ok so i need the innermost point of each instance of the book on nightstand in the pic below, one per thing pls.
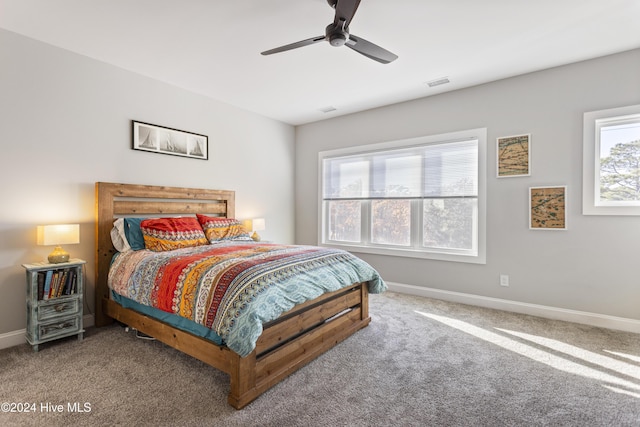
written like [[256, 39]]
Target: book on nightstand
[[47, 284]]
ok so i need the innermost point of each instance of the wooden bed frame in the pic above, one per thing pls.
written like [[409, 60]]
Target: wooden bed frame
[[286, 344]]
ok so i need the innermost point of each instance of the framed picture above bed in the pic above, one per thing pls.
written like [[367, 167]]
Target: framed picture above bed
[[164, 140]]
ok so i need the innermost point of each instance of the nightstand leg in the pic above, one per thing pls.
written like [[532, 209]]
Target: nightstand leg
[[80, 336], [35, 347]]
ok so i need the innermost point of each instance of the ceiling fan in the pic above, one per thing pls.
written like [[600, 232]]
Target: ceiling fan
[[337, 34]]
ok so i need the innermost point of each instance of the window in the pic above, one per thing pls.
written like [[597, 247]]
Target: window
[[423, 197], [611, 162]]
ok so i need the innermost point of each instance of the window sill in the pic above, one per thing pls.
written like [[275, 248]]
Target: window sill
[[409, 253]]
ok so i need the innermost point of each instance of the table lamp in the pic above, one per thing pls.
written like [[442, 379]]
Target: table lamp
[[256, 224], [60, 234]]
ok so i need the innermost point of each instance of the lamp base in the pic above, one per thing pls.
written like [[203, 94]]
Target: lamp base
[[255, 236], [58, 255]]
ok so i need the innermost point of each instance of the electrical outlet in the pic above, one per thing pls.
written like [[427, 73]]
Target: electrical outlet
[[504, 280]]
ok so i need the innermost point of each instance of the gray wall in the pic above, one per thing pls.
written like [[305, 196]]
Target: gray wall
[[66, 123], [591, 267]]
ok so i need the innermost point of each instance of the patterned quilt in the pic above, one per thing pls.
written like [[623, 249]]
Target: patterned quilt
[[235, 287]]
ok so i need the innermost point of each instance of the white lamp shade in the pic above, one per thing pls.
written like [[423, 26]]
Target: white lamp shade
[[60, 234], [258, 224]]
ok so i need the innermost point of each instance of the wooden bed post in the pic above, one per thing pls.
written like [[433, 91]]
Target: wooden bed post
[[243, 381], [364, 292], [104, 249]]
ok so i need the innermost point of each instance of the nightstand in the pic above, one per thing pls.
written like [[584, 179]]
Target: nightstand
[[54, 301]]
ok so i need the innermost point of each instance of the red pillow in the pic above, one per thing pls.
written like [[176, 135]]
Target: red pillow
[[218, 228], [166, 234]]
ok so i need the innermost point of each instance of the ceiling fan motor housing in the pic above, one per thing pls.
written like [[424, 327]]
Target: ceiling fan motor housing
[[337, 36]]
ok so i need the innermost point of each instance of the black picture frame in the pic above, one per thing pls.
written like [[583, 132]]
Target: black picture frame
[[164, 140]]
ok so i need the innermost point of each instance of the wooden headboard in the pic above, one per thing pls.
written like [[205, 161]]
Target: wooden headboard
[[121, 200]]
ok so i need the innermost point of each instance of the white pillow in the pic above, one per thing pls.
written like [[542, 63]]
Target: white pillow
[[118, 238]]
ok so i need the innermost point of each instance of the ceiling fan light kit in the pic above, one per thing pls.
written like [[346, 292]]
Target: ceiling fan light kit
[[337, 34]]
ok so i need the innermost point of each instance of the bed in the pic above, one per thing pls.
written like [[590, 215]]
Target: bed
[[285, 344]]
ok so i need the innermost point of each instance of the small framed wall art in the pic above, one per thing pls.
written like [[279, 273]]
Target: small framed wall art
[[548, 208], [163, 140], [514, 156]]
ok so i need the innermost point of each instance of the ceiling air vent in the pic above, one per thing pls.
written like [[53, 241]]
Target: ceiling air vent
[[438, 82], [328, 109]]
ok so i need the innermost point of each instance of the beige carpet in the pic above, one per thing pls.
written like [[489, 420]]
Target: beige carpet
[[421, 362]]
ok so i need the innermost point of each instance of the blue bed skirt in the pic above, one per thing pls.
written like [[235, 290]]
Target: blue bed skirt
[[172, 319]]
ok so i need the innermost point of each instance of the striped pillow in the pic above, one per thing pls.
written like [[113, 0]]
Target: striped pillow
[[166, 234], [218, 228]]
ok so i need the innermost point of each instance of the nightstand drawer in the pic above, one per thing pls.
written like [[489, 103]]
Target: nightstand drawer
[[63, 307], [60, 327]]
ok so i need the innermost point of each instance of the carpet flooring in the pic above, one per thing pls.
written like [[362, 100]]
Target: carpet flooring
[[421, 362]]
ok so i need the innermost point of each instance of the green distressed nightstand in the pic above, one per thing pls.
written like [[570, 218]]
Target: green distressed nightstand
[[54, 301]]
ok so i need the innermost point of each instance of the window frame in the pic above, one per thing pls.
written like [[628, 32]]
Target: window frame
[[592, 122], [416, 250]]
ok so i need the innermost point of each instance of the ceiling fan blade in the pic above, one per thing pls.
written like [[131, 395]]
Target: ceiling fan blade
[[370, 50], [295, 45], [345, 9]]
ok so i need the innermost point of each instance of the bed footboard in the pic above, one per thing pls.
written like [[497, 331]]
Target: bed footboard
[[296, 338]]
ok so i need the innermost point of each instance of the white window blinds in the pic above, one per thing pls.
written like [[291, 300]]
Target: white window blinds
[[438, 170]]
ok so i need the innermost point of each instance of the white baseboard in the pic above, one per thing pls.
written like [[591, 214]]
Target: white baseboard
[[11, 339], [592, 319]]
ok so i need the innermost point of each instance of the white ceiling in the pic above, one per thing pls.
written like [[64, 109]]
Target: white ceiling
[[212, 47]]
